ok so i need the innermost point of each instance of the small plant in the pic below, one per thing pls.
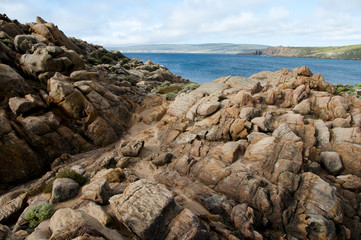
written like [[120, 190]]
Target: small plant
[[70, 173], [168, 89], [93, 61], [38, 213], [170, 96], [132, 80], [6, 41], [166, 83], [190, 86], [49, 187], [106, 59], [125, 60]]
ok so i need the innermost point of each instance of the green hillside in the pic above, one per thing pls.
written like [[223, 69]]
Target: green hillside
[[351, 52]]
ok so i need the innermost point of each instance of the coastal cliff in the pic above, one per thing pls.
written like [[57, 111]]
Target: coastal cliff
[[352, 52], [94, 145]]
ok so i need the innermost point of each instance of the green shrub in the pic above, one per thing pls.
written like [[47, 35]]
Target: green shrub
[[166, 83], [6, 41], [106, 59], [38, 213], [170, 96], [125, 60], [190, 86], [66, 173], [168, 89], [132, 80], [93, 61], [49, 187], [69, 173]]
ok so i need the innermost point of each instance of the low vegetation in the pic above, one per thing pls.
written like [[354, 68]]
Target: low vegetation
[[189, 87], [348, 88], [38, 213], [351, 52], [66, 173], [173, 88], [170, 96]]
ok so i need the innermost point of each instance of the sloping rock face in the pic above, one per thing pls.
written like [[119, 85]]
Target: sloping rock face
[[61, 95]]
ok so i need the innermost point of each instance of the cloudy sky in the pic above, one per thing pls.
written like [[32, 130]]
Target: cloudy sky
[[132, 22]]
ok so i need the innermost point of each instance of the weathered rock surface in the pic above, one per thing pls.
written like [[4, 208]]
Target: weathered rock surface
[[64, 189], [12, 207], [97, 191], [67, 223], [145, 208], [63, 95], [273, 156], [332, 162], [186, 225]]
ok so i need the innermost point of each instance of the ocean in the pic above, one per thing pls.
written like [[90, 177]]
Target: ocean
[[203, 68]]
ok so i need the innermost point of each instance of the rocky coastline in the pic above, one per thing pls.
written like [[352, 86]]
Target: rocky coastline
[[94, 145]]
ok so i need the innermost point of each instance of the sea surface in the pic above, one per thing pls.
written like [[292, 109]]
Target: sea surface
[[203, 68]]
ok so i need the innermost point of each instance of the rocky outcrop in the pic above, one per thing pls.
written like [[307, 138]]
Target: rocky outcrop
[[286, 122], [273, 156], [62, 95]]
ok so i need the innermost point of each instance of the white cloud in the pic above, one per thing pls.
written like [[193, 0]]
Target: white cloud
[[118, 22], [278, 13], [337, 4]]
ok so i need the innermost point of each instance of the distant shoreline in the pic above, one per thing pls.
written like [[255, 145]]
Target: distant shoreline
[[241, 54], [351, 52]]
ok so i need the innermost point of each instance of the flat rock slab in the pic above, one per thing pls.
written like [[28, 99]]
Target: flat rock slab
[[145, 208]]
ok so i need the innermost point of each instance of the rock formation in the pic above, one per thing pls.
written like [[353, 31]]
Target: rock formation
[[59, 97], [273, 156]]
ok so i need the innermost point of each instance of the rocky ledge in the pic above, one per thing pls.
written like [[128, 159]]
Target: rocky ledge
[[273, 156]]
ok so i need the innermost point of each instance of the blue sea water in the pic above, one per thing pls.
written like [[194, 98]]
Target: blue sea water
[[202, 68]]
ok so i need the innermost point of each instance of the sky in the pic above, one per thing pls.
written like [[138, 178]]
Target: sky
[[134, 22]]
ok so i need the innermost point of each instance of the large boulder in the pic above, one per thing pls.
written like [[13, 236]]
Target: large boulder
[[52, 34], [22, 105], [332, 162], [132, 148], [186, 225], [50, 59], [64, 189], [67, 223], [145, 208], [18, 162], [9, 27], [97, 191], [100, 132], [23, 43], [11, 83]]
